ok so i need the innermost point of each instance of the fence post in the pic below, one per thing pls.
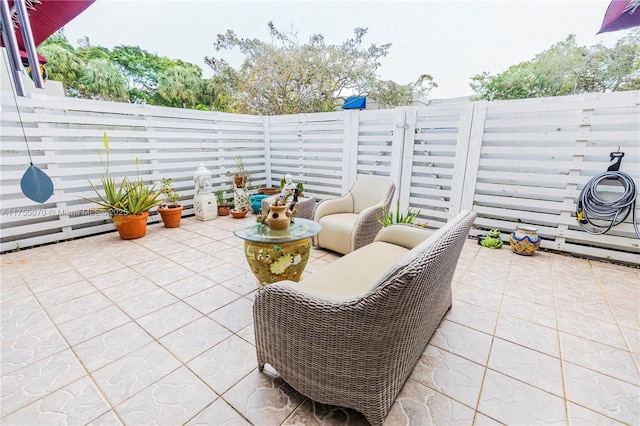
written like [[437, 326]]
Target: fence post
[[405, 159], [350, 149], [476, 113], [266, 137]]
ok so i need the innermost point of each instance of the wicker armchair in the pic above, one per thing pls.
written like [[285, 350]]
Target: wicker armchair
[[352, 221], [357, 352]]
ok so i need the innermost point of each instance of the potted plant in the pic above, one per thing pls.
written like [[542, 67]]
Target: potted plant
[[171, 209], [241, 176], [242, 205], [128, 204], [223, 204]]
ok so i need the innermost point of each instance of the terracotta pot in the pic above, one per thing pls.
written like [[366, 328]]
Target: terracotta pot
[[279, 217], [238, 214], [171, 216], [224, 210], [131, 226], [239, 181], [269, 191]]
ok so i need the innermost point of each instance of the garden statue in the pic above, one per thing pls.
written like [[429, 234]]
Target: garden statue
[[288, 184], [492, 240], [202, 178]]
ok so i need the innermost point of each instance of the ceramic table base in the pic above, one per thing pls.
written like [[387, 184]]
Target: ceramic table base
[[276, 262]]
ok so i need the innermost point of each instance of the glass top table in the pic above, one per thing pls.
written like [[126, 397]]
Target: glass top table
[[259, 233], [277, 255]]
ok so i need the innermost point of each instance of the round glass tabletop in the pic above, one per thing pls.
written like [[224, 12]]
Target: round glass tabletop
[[259, 233]]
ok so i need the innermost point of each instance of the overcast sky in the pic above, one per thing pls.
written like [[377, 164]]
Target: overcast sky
[[451, 40]]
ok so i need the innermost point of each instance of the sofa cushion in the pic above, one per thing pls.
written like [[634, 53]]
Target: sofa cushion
[[413, 253], [336, 229], [351, 275]]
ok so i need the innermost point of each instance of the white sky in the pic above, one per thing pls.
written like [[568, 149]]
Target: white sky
[[451, 40]]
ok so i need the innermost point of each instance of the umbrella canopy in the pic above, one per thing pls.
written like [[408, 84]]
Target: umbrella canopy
[[621, 14], [47, 17]]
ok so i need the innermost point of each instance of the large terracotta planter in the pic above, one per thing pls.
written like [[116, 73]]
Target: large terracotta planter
[[131, 226], [171, 216]]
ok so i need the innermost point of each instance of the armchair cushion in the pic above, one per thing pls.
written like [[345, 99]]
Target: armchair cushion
[[352, 221]]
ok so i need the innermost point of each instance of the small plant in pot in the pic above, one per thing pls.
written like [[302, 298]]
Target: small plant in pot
[[242, 206], [127, 204], [223, 204], [241, 176], [171, 209]]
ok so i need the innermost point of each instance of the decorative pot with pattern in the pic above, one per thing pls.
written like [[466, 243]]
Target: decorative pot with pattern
[[524, 240]]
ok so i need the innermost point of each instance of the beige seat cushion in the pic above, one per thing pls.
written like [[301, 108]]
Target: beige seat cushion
[[351, 275], [336, 231]]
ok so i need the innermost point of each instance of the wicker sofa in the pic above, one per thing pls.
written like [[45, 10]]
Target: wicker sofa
[[350, 334]]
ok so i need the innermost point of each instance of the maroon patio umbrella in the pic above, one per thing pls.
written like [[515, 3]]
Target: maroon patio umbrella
[[621, 14], [47, 17]]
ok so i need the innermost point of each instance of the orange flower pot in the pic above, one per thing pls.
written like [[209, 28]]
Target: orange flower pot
[[131, 226], [171, 216]]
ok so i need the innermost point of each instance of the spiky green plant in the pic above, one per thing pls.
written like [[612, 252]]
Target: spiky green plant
[[408, 217], [128, 197]]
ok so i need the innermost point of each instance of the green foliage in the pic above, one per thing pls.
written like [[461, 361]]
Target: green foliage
[[130, 197], [101, 79], [220, 196], [408, 217], [171, 198], [286, 76], [180, 85], [566, 69]]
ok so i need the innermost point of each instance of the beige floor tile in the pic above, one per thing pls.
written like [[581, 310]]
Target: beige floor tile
[[225, 364], [111, 346], [195, 338], [602, 394], [134, 372], [172, 400], [516, 403], [37, 380], [165, 320], [193, 299], [462, 341], [417, 404], [263, 399], [449, 374], [78, 403], [218, 413], [528, 334], [529, 366]]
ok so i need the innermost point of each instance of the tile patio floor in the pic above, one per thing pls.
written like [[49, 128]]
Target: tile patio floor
[[159, 331]]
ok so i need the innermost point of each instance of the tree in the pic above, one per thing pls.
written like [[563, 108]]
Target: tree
[[566, 69], [286, 76], [102, 79], [388, 93], [180, 84], [142, 70], [62, 65]]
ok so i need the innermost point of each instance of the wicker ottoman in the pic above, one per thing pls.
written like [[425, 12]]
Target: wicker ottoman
[[305, 206]]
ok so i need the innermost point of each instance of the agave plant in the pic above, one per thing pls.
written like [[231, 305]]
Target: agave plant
[[128, 197], [408, 217]]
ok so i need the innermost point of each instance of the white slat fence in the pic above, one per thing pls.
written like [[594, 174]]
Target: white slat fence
[[512, 162]]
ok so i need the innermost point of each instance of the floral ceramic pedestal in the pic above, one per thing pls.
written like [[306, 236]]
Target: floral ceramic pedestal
[[277, 262], [276, 255]]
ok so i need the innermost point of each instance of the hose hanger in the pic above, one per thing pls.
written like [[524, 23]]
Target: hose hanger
[[604, 212]]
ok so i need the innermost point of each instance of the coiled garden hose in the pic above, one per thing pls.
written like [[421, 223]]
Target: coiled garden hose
[[592, 207]]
